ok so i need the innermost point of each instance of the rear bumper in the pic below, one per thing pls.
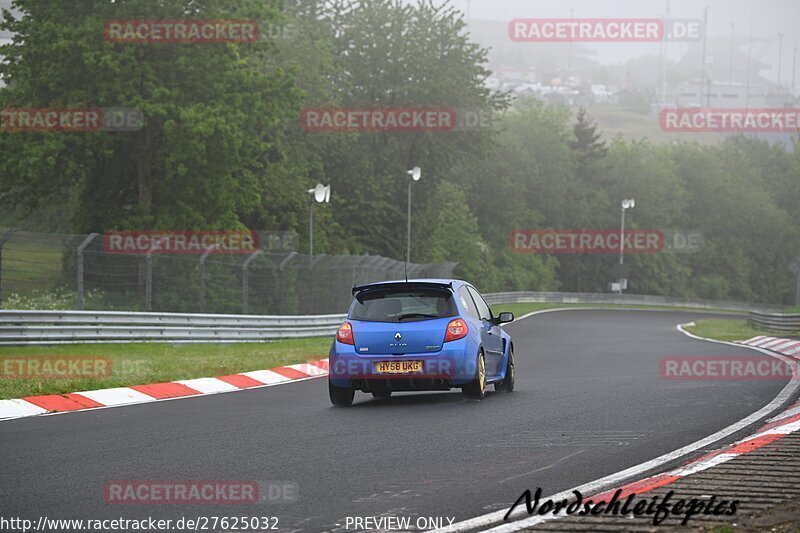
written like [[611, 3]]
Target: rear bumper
[[450, 367], [402, 384]]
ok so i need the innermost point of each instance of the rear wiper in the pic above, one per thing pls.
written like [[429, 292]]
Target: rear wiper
[[416, 315]]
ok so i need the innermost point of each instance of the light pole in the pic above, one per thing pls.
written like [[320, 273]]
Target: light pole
[[780, 59], [569, 52], [320, 193], [626, 204], [663, 62], [413, 175], [749, 64], [703, 60], [794, 69], [730, 60]]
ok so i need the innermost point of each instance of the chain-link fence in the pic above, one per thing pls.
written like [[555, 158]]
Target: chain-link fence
[[48, 271]]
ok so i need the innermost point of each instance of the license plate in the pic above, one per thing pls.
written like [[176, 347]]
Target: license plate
[[398, 367]]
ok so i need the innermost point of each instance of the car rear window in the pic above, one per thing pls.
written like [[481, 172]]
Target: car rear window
[[402, 305]]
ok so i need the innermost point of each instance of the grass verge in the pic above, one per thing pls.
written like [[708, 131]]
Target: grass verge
[[726, 329]]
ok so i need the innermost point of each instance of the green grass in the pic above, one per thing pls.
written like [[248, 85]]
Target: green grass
[[726, 329], [31, 265], [141, 363], [614, 120]]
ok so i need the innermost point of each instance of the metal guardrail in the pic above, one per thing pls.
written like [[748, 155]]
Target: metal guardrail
[[620, 299], [61, 327], [778, 322]]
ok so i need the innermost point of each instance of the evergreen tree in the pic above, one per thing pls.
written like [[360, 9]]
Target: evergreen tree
[[587, 143]]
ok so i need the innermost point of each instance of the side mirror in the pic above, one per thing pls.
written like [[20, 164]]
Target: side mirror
[[504, 317]]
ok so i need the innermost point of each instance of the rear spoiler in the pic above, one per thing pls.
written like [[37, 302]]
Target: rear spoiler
[[402, 284]]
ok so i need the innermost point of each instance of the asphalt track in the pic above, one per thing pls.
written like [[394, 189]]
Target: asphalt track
[[589, 401]]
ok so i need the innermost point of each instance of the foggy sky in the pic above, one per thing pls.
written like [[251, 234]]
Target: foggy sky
[[757, 24], [763, 19]]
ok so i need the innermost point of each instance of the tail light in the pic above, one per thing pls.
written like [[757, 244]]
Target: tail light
[[456, 329], [345, 334]]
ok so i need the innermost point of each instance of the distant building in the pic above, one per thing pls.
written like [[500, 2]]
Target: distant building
[[727, 95], [515, 75], [601, 94], [5, 37]]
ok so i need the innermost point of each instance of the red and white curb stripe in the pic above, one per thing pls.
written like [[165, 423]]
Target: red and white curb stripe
[[76, 401], [790, 347], [776, 428]]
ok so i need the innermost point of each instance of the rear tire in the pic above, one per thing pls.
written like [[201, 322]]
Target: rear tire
[[476, 389], [507, 385], [341, 396]]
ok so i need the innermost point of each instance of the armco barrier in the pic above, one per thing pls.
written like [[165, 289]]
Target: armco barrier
[[59, 327], [619, 299], [778, 322]]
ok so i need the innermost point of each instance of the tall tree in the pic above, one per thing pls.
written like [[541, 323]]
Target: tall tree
[[391, 55], [210, 111], [587, 144]]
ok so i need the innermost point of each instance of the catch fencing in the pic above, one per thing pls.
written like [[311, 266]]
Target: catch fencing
[[46, 271]]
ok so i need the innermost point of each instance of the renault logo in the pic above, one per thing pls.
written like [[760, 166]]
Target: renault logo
[[397, 336]]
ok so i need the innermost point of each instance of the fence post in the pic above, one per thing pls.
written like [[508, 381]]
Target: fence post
[[245, 272], [7, 235], [148, 274], [357, 267], [794, 266], [282, 278], [148, 281], [81, 247], [203, 278], [311, 264], [385, 266], [797, 290]]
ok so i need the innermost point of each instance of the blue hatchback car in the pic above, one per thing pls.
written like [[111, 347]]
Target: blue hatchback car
[[425, 334]]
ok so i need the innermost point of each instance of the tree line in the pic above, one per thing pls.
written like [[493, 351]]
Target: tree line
[[222, 147]]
